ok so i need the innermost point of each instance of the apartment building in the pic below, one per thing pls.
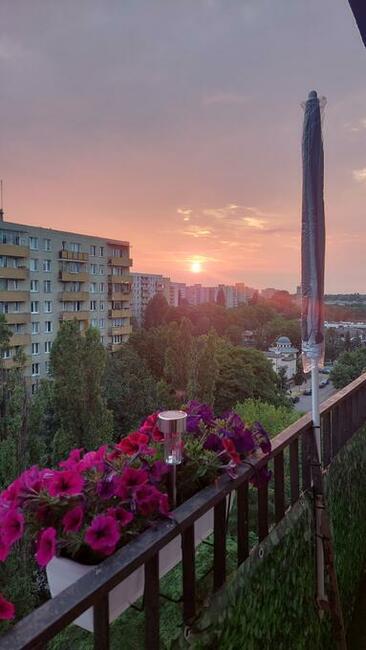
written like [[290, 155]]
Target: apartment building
[[50, 276], [144, 287]]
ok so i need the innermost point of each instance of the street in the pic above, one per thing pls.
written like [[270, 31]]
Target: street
[[304, 403]]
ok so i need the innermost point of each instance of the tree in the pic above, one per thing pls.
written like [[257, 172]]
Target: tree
[[77, 369], [178, 356], [349, 366], [151, 347], [203, 368], [273, 418], [282, 378], [235, 334], [220, 298], [156, 311], [299, 376], [130, 390]]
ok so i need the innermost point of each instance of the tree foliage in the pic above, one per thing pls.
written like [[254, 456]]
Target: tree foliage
[[156, 311], [349, 366]]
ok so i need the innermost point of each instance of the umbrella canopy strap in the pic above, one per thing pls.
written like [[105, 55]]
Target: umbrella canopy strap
[[323, 532]]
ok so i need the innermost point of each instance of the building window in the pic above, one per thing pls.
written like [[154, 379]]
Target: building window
[[101, 269], [7, 354], [101, 324], [34, 307], [75, 247], [93, 305], [34, 389], [47, 286], [47, 266], [35, 348], [33, 243], [33, 264], [101, 306], [47, 347], [101, 251], [35, 327], [35, 369], [46, 244], [93, 250], [48, 326], [93, 287], [47, 306], [93, 269], [101, 287], [47, 367], [94, 322], [34, 286]]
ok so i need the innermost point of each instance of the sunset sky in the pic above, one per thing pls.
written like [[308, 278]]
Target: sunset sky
[[176, 124]]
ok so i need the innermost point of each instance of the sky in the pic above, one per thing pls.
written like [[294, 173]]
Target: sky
[[176, 125]]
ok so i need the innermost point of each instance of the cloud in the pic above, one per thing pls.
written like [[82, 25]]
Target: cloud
[[253, 222], [360, 175]]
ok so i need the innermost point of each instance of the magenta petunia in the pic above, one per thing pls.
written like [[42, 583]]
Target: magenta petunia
[[132, 478], [103, 534], [66, 483], [147, 499], [107, 487], [93, 460], [158, 470], [121, 515], [73, 520], [72, 460], [7, 609], [12, 526], [46, 546]]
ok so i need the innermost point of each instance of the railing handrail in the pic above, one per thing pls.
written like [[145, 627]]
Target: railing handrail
[[43, 623]]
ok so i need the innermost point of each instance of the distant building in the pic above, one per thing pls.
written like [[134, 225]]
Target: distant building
[[144, 287], [49, 276], [268, 293], [283, 355]]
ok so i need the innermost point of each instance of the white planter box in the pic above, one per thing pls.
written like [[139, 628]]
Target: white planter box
[[62, 572]]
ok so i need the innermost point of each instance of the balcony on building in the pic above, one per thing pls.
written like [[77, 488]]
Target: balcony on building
[[123, 261], [73, 276], [12, 318], [73, 256], [71, 296], [71, 315], [120, 313], [20, 340], [120, 329], [13, 250], [13, 273], [14, 296]]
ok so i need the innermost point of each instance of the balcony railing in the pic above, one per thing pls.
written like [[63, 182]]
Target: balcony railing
[[341, 416], [15, 273], [14, 250], [72, 255]]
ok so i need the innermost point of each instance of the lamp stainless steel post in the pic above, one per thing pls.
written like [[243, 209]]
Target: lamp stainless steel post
[[312, 272], [173, 424]]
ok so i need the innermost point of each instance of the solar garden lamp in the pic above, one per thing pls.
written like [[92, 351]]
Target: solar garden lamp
[[173, 424]]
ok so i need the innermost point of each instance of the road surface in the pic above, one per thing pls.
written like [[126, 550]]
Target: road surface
[[304, 403]]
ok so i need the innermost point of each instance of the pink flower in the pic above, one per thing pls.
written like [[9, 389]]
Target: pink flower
[[12, 526], [66, 483], [93, 460], [7, 610], [4, 550], [11, 494], [46, 546], [121, 515], [72, 459], [135, 443], [73, 520], [103, 534], [158, 470], [150, 427], [147, 499], [132, 478]]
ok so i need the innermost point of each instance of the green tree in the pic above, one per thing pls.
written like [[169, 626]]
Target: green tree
[[235, 334], [130, 390], [156, 311], [273, 418], [151, 347], [282, 378], [203, 368], [77, 369], [349, 366], [178, 358]]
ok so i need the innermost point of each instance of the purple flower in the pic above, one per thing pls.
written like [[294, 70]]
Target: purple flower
[[213, 442], [66, 483], [261, 437], [107, 486], [197, 413], [103, 534], [73, 520], [158, 471]]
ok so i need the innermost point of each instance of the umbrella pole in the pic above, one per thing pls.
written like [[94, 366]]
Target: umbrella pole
[[321, 596]]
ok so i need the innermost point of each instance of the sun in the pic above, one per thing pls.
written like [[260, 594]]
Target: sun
[[196, 267]]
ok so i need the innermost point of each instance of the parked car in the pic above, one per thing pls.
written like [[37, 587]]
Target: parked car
[[326, 371], [323, 383], [295, 399], [307, 391]]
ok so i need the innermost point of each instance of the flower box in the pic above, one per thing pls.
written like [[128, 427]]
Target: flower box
[[62, 572]]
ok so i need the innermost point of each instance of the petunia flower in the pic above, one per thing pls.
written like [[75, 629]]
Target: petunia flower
[[12, 526], [93, 460], [230, 449], [150, 427], [197, 413], [72, 460], [103, 534], [132, 478], [135, 443], [46, 546], [262, 438], [213, 442], [158, 470], [122, 516], [7, 609], [73, 519], [147, 499], [107, 486], [66, 483]]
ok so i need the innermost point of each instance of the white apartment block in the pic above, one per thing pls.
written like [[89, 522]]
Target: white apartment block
[[144, 287], [49, 276]]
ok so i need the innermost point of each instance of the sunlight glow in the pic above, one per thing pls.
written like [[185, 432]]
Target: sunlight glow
[[196, 267]]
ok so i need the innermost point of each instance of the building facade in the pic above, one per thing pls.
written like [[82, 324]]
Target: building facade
[[144, 287], [50, 276], [283, 355]]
